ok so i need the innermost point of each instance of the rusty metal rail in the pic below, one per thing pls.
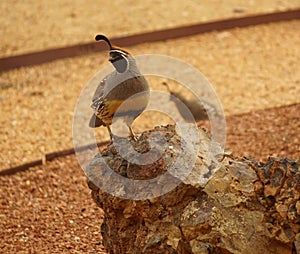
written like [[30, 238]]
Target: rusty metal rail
[[40, 57], [49, 157]]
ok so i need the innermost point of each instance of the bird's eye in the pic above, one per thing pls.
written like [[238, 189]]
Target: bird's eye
[[121, 64]]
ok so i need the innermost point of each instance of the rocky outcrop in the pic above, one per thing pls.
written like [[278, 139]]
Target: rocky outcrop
[[223, 205]]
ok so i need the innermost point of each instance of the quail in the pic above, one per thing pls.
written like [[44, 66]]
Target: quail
[[124, 93]]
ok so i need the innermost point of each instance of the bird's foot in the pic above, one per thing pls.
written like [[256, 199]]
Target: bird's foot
[[132, 135]]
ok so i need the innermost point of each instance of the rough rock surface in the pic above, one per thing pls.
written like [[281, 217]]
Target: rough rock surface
[[224, 205]]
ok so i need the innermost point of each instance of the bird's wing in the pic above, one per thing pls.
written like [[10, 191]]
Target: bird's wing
[[95, 121], [98, 97]]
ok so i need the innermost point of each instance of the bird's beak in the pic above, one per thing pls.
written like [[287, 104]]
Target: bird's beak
[[111, 59]]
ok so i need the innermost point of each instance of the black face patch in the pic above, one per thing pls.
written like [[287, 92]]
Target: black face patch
[[121, 64]]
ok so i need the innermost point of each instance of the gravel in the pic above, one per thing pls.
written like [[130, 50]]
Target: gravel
[[250, 68], [29, 26], [267, 133], [48, 209]]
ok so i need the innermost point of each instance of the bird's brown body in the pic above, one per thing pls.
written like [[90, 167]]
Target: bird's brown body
[[122, 94]]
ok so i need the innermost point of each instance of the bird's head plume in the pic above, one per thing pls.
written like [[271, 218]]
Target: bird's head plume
[[117, 56]]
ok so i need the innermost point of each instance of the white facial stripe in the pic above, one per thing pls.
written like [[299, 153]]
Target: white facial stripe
[[117, 51]]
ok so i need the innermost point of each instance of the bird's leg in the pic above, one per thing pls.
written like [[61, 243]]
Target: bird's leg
[[132, 135], [110, 133]]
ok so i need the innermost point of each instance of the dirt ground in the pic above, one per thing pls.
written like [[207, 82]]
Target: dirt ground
[[48, 209], [35, 25], [254, 71], [250, 69]]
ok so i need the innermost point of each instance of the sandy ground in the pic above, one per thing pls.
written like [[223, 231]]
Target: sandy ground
[[48, 209], [35, 25], [250, 68]]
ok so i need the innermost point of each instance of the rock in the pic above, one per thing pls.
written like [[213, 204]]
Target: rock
[[297, 243], [229, 205], [239, 9]]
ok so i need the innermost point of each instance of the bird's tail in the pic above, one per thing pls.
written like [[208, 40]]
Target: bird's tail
[[95, 122]]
